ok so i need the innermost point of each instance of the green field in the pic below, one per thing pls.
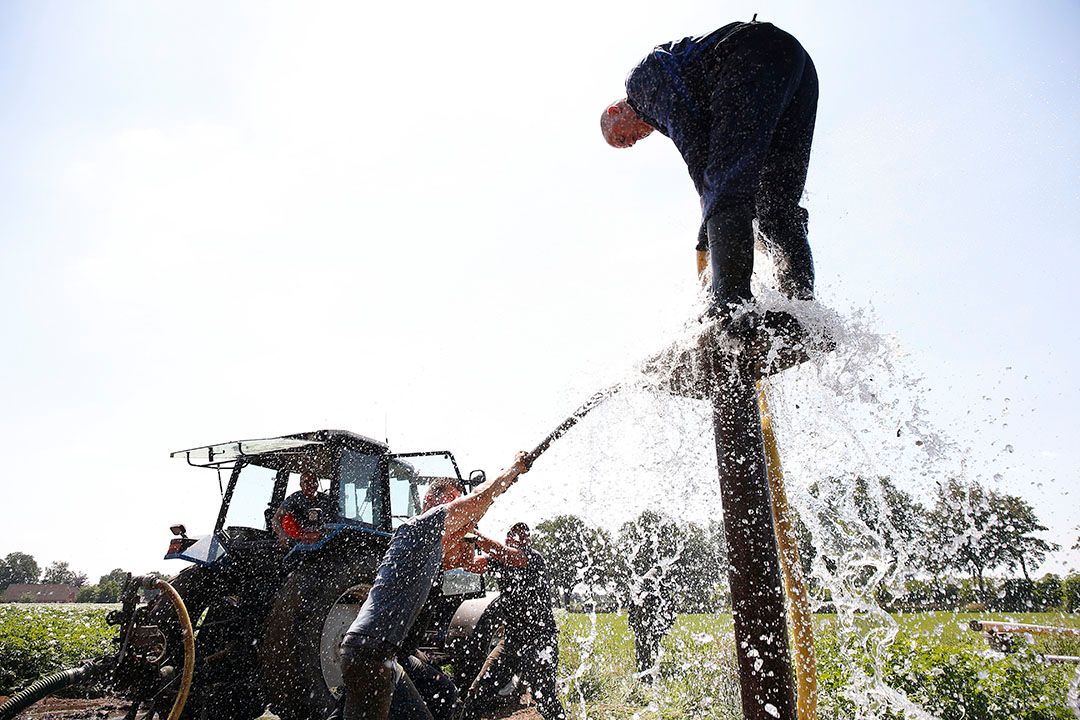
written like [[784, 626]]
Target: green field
[[39, 639], [934, 661]]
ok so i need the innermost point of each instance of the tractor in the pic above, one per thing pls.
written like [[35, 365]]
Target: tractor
[[268, 617]]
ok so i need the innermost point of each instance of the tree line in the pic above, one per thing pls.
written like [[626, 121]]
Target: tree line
[[19, 568], [938, 555]]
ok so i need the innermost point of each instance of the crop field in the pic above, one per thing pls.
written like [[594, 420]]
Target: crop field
[[934, 659], [39, 639]]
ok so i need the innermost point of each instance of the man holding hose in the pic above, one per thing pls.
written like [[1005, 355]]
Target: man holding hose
[[419, 548]]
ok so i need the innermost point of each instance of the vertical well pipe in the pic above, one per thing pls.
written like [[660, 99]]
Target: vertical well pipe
[[757, 594]]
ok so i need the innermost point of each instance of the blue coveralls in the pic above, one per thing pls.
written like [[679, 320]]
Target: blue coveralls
[[740, 105]]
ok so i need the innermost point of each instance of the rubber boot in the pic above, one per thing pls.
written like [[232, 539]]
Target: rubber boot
[[786, 237], [731, 258]]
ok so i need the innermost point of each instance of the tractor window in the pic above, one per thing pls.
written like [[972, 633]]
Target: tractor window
[[294, 484], [359, 475], [407, 489], [329, 507], [409, 477], [251, 496]]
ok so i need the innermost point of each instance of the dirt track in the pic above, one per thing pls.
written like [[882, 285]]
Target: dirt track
[[73, 709], [113, 709]]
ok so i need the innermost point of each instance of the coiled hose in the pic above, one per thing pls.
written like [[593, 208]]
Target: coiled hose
[[189, 642], [58, 681], [45, 686]]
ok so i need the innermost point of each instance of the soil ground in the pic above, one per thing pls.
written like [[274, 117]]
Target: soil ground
[[74, 709], [113, 709]]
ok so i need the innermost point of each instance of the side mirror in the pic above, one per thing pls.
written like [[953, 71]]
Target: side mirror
[[475, 478], [179, 530]]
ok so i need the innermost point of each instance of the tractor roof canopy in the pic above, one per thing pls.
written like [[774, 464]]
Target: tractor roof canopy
[[284, 450]]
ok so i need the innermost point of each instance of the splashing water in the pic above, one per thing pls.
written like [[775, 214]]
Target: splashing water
[[843, 420]]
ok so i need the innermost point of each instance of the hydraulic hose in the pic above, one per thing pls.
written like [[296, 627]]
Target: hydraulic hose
[[41, 688], [802, 628], [189, 642]]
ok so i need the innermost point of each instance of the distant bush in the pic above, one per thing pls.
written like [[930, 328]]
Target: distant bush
[[966, 684], [1070, 593], [36, 640], [1003, 595]]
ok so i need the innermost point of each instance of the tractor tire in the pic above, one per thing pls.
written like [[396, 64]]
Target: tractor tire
[[299, 655]]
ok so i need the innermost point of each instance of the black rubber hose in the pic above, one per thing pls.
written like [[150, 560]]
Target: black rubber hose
[[564, 427], [45, 686]]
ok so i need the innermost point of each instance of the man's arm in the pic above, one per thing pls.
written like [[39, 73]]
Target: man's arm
[[506, 555], [460, 553], [275, 525], [478, 564], [464, 512], [287, 529]]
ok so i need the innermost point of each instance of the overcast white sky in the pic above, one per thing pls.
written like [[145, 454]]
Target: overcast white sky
[[249, 219]]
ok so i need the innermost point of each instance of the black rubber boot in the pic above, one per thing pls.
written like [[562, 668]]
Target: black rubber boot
[[785, 235], [731, 258]]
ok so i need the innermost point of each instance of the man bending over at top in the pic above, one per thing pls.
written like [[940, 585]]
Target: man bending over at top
[[739, 104]]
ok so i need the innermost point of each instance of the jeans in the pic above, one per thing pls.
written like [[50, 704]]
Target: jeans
[[378, 688]]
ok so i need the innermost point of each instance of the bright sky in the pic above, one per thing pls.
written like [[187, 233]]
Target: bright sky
[[223, 221]]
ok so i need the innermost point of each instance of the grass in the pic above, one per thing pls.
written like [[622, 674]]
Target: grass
[[934, 662]]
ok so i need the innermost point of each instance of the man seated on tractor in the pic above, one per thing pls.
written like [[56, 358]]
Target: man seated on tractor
[[301, 517], [371, 672]]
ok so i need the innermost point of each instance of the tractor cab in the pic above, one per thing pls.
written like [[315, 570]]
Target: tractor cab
[[362, 488]]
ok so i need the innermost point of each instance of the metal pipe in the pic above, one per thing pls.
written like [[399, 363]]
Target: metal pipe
[[588, 406], [993, 626], [757, 594]]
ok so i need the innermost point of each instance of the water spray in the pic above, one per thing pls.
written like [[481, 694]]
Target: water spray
[[764, 557]]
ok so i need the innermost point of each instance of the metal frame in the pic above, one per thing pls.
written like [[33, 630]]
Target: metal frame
[[453, 460], [999, 637], [240, 453]]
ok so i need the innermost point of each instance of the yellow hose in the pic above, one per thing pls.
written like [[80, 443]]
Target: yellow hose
[[802, 627], [189, 643]]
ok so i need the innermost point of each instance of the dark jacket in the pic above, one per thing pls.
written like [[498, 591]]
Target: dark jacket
[[526, 595], [696, 90], [669, 90]]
